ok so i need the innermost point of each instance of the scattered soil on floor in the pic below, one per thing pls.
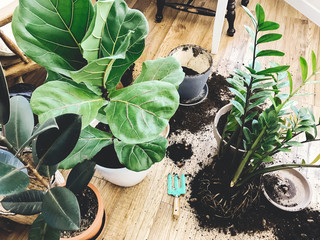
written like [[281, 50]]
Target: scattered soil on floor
[[194, 118], [88, 203], [179, 153]]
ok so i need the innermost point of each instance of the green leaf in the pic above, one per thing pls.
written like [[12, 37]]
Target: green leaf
[[293, 144], [12, 180], [8, 158], [46, 101], [288, 135], [24, 203], [237, 93], [238, 106], [314, 62], [283, 85], [260, 14], [260, 94], [251, 116], [4, 99], [316, 159], [269, 38], [264, 53], [90, 142], [21, 122], [304, 69], [309, 136], [268, 25], [40, 230], [257, 103], [290, 81], [162, 69], [139, 157], [274, 70], [60, 209], [142, 110], [254, 21], [268, 159], [59, 35], [54, 145], [54, 76], [246, 133], [80, 176]]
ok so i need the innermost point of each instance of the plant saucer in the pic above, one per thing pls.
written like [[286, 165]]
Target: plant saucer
[[287, 189], [198, 99]]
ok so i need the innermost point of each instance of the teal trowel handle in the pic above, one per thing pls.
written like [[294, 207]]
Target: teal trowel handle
[[176, 207]]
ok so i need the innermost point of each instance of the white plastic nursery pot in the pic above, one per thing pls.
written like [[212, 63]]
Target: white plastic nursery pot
[[225, 109], [198, 59], [290, 192]]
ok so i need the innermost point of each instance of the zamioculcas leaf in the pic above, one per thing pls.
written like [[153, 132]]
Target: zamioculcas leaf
[[269, 38], [60, 209], [317, 158], [304, 69], [139, 157], [80, 176], [40, 230], [309, 136], [24, 203], [267, 25], [12, 180], [90, 142], [264, 53], [21, 122], [314, 62], [46, 101], [260, 14], [143, 110], [274, 70], [254, 21], [238, 94], [294, 144], [250, 31], [4, 99], [238, 106], [8, 158], [54, 145], [162, 69]]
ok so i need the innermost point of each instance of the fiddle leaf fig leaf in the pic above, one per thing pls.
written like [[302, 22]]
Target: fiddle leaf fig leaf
[[24, 203], [61, 33], [139, 157], [21, 122], [80, 176], [304, 69], [90, 142], [40, 230], [46, 101], [60, 209], [143, 110], [54, 145], [162, 69], [8, 158], [12, 180], [4, 99]]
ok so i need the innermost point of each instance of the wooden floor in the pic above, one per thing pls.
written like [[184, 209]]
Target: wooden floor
[[145, 211]]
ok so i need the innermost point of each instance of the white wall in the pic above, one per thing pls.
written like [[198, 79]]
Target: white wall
[[309, 8]]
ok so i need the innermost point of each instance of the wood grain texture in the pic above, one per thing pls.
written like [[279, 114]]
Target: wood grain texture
[[145, 211]]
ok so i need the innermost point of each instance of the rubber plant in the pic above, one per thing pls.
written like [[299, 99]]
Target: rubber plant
[[86, 49], [263, 120], [51, 142]]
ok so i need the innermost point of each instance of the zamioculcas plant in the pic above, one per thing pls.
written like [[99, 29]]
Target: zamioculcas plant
[[51, 141], [86, 49], [263, 121]]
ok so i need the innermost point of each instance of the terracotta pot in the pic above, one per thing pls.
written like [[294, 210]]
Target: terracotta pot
[[225, 109], [97, 224]]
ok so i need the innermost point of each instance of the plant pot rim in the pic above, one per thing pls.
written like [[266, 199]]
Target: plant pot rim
[[301, 183], [97, 223]]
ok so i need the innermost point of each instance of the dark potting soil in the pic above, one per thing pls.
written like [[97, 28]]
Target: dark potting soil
[[127, 77], [88, 204], [263, 216], [194, 118], [179, 153], [107, 157], [189, 71]]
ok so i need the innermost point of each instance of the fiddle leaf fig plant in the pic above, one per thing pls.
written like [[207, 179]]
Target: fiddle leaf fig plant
[[102, 42]]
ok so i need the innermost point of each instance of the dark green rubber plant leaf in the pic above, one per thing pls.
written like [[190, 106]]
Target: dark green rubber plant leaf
[[46, 101], [139, 157], [25, 203], [90, 142], [40, 230], [8, 158], [54, 145], [60, 209], [162, 69], [140, 112], [4, 99], [12, 180], [120, 22], [56, 27], [21, 122], [80, 176]]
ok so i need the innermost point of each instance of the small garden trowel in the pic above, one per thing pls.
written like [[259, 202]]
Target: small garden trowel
[[176, 191]]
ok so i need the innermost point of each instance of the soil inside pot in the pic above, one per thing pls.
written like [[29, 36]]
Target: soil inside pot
[[107, 157], [189, 71], [127, 77], [88, 203]]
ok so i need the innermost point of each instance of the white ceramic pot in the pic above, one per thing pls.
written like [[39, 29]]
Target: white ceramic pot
[[225, 109]]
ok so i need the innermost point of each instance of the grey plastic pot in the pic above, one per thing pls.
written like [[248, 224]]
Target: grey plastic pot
[[197, 59]]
